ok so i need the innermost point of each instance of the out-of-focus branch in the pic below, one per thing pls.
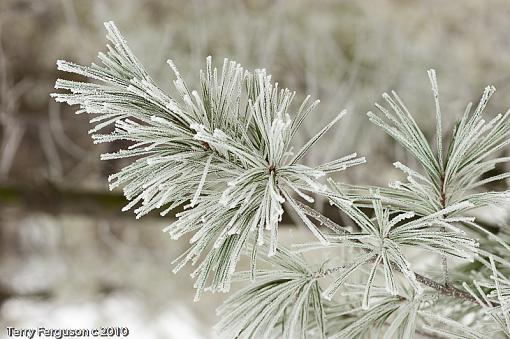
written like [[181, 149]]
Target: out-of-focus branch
[[56, 200], [7, 293], [53, 199]]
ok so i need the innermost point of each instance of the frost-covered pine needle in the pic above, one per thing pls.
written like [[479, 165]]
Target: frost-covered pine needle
[[223, 152]]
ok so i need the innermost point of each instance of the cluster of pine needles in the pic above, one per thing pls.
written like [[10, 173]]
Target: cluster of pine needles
[[225, 158]]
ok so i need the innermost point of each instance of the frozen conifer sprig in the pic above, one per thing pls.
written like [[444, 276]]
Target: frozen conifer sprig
[[224, 156], [284, 301], [422, 214], [385, 237], [225, 152], [448, 175], [492, 293]]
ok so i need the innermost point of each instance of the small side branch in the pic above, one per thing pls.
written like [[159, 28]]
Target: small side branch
[[323, 220], [447, 290]]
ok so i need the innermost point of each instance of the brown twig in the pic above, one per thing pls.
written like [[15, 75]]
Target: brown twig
[[448, 290]]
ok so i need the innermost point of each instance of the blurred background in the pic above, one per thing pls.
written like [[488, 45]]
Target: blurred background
[[70, 258]]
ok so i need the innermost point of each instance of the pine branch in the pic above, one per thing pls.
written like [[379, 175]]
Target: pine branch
[[323, 220], [224, 154], [445, 178], [449, 290]]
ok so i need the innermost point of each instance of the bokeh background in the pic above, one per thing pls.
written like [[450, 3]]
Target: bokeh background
[[70, 258]]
